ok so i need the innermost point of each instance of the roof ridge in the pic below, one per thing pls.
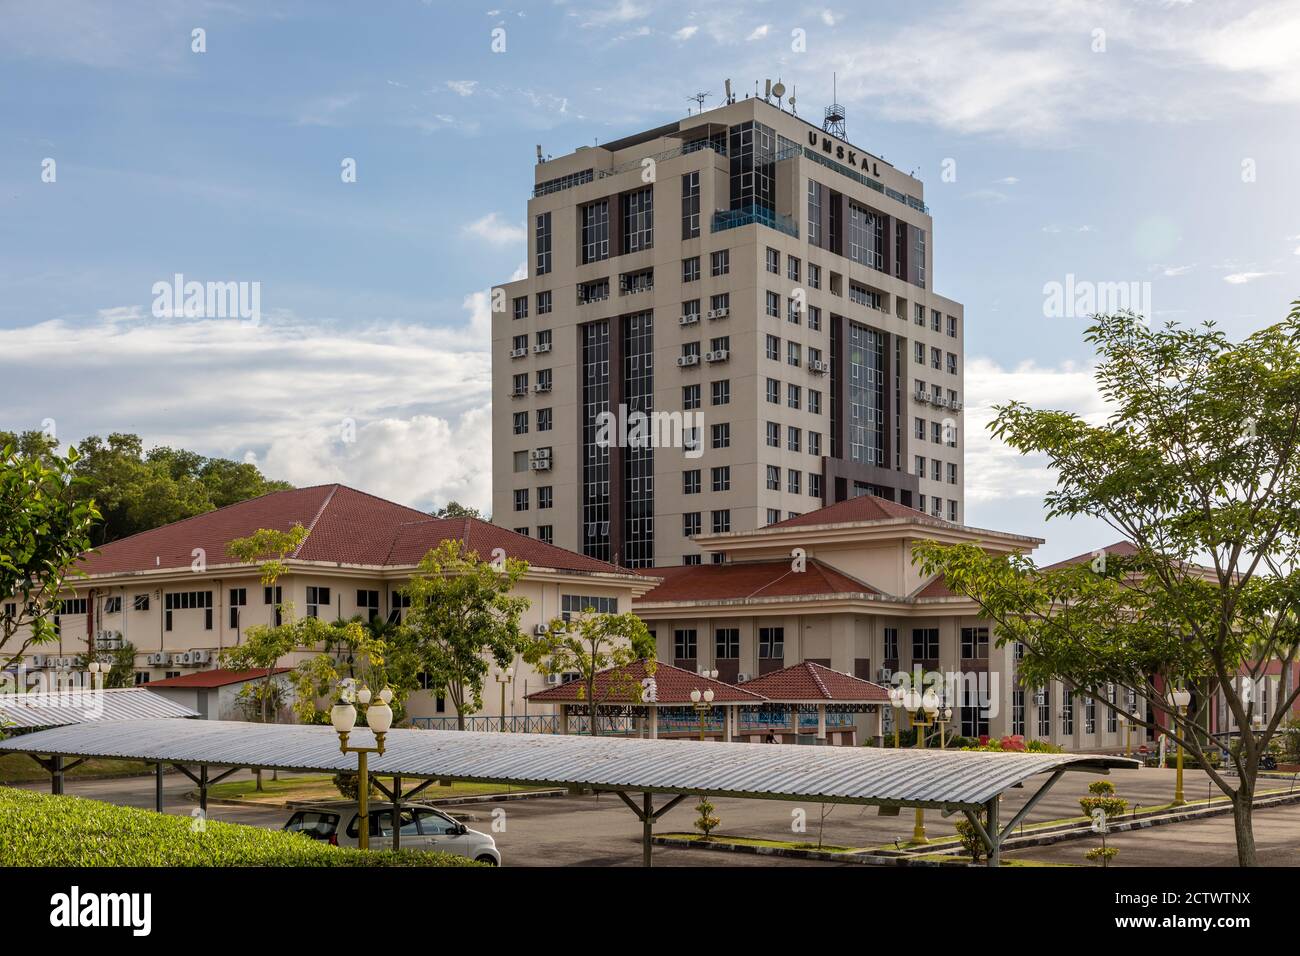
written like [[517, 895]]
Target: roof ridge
[[811, 667], [315, 518]]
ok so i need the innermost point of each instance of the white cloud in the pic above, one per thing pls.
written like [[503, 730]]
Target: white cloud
[[1007, 181], [685, 33], [419, 395], [759, 32], [462, 87], [492, 228], [1172, 271], [828, 17], [1241, 278], [624, 11]]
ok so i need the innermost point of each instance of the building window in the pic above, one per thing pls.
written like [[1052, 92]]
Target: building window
[[140, 602], [1018, 712], [399, 603], [691, 525], [520, 423], [368, 604], [594, 389], [544, 302], [521, 499], [793, 438], [974, 712], [774, 435], [545, 497], [793, 354], [720, 303], [773, 350], [546, 534], [814, 401], [720, 477], [684, 646], [721, 392], [543, 244], [794, 481], [952, 511], [773, 480], [1044, 713], [814, 318], [721, 435], [544, 419], [774, 514], [238, 599], [720, 262], [975, 643], [814, 215], [638, 219], [814, 485], [690, 396], [773, 261], [521, 307], [814, 275], [691, 271], [891, 644], [691, 482], [771, 643], [690, 560], [594, 234], [773, 305], [952, 326], [925, 644], [317, 598], [815, 443], [793, 394], [691, 205], [792, 268], [721, 521], [726, 643]]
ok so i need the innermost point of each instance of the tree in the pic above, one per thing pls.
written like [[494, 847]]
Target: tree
[[45, 526], [121, 668], [1196, 467], [462, 613], [593, 643], [706, 822], [454, 509], [375, 654]]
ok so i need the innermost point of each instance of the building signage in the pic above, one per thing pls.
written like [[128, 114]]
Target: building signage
[[841, 152]]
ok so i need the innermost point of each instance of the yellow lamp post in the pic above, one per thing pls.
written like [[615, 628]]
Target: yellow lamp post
[[896, 698], [944, 719], [505, 678], [379, 717], [923, 708], [1180, 699], [703, 704]]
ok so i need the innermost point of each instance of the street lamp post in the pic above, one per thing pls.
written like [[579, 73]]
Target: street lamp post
[[923, 708], [896, 697], [944, 719], [1180, 699], [379, 717], [504, 678], [703, 704]]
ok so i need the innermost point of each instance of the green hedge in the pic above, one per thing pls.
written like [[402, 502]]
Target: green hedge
[[41, 830]]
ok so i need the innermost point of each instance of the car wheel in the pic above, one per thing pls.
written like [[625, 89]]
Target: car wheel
[[490, 861]]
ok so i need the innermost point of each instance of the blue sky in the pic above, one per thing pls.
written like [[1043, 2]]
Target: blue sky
[[1160, 150]]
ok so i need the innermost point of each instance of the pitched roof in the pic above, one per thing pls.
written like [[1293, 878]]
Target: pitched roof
[[673, 686], [1122, 549], [809, 681], [84, 705], [750, 579], [861, 508], [938, 588], [345, 526], [220, 677]]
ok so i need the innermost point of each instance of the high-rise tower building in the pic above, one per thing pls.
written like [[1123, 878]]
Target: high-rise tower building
[[727, 321]]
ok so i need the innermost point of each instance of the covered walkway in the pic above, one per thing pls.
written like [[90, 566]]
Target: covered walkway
[[948, 781]]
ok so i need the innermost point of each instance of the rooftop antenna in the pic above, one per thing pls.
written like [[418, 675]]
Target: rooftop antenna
[[767, 91], [778, 90], [792, 93], [730, 97], [833, 119], [699, 99], [539, 152]]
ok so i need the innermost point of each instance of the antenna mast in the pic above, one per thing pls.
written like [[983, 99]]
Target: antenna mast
[[833, 119]]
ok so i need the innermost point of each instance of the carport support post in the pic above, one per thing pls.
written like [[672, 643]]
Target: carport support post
[[158, 786], [647, 828], [56, 775], [203, 788], [994, 831], [397, 812]]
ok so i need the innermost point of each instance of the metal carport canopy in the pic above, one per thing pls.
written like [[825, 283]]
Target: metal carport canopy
[[83, 705], [950, 780]]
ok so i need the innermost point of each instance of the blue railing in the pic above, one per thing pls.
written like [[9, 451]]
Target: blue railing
[[734, 218]]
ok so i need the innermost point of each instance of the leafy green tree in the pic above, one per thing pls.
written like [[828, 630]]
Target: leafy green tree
[[454, 509], [374, 654], [462, 613], [121, 667], [592, 643], [707, 821], [1196, 466], [45, 525]]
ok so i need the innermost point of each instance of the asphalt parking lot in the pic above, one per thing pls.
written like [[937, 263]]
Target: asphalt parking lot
[[600, 831]]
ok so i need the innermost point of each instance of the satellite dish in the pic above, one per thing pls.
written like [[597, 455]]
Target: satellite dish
[[778, 90]]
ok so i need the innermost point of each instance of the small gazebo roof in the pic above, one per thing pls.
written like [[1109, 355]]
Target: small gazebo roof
[[673, 686], [811, 683]]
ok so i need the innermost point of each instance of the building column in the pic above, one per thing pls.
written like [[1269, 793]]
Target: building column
[[728, 712], [821, 724], [654, 723], [564, 718]]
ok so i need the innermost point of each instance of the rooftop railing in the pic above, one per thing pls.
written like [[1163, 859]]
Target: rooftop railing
[[725, 219]]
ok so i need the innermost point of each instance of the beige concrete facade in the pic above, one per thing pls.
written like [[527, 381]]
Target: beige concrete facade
[[916, 324], [193, 629]]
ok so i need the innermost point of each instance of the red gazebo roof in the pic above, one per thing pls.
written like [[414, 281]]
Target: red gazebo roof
[[807, 681], [673, 686]]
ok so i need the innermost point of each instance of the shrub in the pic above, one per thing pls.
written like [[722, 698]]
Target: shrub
[[1103, 853], [41, 830], [1017, 745], [970, 839], [1101, 796], [706, 822], [346, 784]]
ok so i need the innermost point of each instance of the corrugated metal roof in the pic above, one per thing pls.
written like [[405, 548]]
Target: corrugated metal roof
[[62, 708], [767, 771]]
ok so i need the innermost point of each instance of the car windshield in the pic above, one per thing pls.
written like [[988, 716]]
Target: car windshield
[[313, 823]]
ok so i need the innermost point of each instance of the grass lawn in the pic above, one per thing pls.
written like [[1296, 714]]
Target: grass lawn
[[20, 768], [964, 860], [319, 786]]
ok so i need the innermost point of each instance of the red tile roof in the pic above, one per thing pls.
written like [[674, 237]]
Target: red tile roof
[[1121, 549], [750, 579], [345, 526], [861, 508], [673, 686], [938, 588], [213, 678], [808, 681]]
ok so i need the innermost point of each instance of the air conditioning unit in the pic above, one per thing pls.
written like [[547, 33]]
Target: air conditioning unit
[[685, 360], [690, 318], [541, 347], [742, 678], [518, 392], [957, 405], [181, 659], [158, 659], [554, 680], [37, 661], [1040, 699], [540, 631], [719, 313], [200, 657], [720, 355], [519, 352], [712, 313], [817, 365], [884, 675], [540, 464], [540, 453], [921, 395], [941, 401], [542, 387]]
